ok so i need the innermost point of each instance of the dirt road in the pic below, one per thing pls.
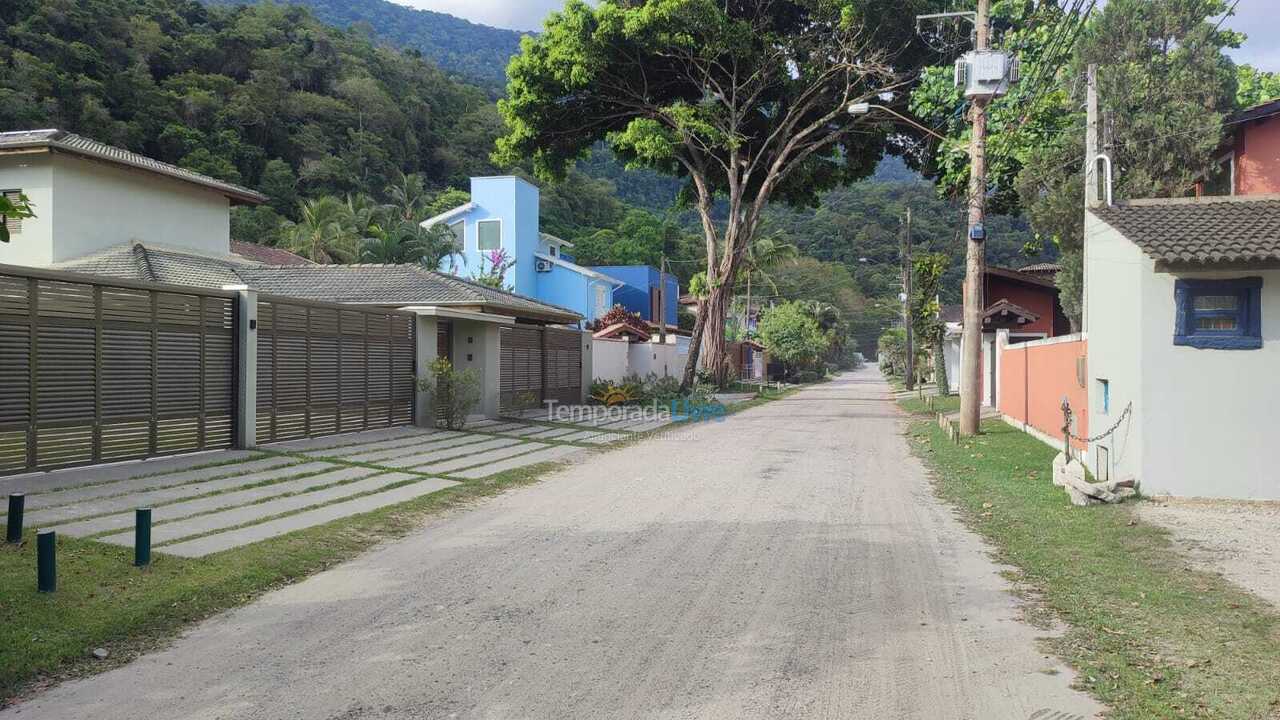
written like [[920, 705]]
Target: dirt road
[[788, 562]]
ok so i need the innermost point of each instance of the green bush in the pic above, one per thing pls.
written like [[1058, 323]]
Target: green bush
[[454, 393]]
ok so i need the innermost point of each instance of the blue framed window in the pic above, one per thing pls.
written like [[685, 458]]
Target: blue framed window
[[1219, 314]]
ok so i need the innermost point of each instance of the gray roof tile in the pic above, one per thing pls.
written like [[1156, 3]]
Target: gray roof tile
[[61, 140], [1201, 231]]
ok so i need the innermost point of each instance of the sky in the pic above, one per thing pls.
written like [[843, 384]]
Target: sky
[[1257, 18]]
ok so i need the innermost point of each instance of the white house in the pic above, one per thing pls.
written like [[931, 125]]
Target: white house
[[1182, 310], [88, 196]]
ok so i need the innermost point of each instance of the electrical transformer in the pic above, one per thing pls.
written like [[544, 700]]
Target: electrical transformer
[[986, 73]]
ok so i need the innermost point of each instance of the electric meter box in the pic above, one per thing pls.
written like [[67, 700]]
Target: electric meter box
[[986, 73]]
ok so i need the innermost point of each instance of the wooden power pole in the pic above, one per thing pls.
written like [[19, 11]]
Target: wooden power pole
[[975, 258], [905, 253]]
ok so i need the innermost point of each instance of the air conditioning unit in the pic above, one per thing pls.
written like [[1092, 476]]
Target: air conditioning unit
[[542, 265], [986, 73]]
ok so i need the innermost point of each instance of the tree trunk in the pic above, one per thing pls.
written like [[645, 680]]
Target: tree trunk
[[695, 347], [713, 342]]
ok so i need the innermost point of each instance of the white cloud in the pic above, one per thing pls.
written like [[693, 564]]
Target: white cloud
[[511, 14]]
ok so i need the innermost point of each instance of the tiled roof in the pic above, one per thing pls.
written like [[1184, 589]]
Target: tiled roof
[[1201, 231], [951, 313], [62, 141], [1003, 307], [266, 254], [1041, 268], [354, 284]]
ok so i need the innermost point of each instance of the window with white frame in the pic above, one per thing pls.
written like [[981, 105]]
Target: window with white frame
[[602, 302], [459, 230], [489, 234]]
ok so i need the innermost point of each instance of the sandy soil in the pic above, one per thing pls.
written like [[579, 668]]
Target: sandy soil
[[1240, 540], [788, 562]]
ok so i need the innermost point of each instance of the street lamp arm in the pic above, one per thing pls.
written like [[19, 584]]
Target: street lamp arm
[[865, 108]]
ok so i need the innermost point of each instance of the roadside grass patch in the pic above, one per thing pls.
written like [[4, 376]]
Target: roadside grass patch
[[916, 406], [1148, 634]]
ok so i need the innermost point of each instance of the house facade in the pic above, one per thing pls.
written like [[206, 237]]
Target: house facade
[[501, 222], [647, 291], [1250, 159], [1023, 303], [87, 196], [1182, 312]]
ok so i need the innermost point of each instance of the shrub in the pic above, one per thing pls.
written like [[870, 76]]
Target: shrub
[[454, 393]]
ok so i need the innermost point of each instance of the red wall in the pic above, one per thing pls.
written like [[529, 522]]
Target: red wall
[[1258, 158], [1033, 381]]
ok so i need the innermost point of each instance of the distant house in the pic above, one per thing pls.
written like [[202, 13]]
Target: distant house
[[647, 291], [502, 216], [1023, 302], [1249, 163], [88, 196], [1182, 311]]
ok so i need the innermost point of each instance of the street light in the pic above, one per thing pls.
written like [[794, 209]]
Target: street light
[[863, 108]]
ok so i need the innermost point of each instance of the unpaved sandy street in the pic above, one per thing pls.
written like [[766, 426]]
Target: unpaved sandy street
[[788, 562]]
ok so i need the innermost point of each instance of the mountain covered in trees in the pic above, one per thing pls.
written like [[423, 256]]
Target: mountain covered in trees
[[478, 53]]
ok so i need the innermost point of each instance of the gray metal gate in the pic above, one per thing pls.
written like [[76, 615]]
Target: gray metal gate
[[98, 370], [325, 369]]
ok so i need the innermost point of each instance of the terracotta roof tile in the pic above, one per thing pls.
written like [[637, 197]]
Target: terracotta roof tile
[[1205, 231]]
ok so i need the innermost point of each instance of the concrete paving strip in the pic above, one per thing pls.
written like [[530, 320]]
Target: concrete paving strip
[[500, 428], [446, 466], [59, 479], [523, 431], [351, 438], [254, 533], [479, 450], [592, 437], [235, 517], [117, 503], [174, 511], [121, 487], [549, 433], [418, 448], [552, 453], [400, 442]]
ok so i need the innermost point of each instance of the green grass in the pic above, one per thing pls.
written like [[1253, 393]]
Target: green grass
[[103, 601], [1148, 635], [931, 404]]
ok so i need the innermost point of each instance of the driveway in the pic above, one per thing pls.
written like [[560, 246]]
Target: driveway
[[787, 562]]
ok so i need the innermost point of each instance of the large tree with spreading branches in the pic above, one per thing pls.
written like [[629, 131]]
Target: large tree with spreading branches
[[745, 100]]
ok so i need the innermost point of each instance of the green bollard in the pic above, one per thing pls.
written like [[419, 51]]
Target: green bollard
[[17, 502], [142, 537], [47, 561]]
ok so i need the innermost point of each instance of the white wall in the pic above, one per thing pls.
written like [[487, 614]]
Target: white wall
[[33, 175], [83, 206], [1203, 420], [661, 360], [609, 359]]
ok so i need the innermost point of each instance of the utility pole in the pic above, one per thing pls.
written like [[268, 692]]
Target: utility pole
[[905, 253], [975, 258], [662, 300], [1091, 195]]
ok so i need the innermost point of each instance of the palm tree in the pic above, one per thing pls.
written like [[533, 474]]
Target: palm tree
[[322, 233], [762, 254], [408, 196]]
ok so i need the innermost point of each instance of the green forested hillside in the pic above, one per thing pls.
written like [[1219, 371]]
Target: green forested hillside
[[478, 53]]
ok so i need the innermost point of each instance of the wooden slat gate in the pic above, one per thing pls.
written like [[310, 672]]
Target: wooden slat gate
[[95, 370], [539, 364], [325, 369]]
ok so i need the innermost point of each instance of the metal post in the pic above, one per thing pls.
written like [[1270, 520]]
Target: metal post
[[975, 260], [142, 537], [47, 561], [17, 503], [1066, 429]]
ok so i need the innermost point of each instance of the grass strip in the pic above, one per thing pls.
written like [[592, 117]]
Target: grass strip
[[1149, 635]]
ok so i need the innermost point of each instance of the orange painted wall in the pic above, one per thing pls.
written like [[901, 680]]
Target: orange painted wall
[[1258, 158], [1033, 381]]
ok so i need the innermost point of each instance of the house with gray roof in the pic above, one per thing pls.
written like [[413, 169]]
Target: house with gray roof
[[1182, 316]]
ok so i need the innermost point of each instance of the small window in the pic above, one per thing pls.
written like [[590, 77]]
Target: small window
[[459, 230], [1219, 314], [552, 250], [1104, 395], [489, 234], [14, 224], [602, 302]]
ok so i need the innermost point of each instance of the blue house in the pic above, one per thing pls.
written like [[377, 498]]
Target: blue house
[[502, 217], [642, 291]]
